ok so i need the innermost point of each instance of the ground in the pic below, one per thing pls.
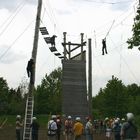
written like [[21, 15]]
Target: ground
[[8, 133]]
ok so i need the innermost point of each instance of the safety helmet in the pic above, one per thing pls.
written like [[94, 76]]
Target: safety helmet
[[106, 119], [18, 116], [123, 119], [116, 121], [130, 116], [78, 118], [53, 116], [34, 118], [69, 117]]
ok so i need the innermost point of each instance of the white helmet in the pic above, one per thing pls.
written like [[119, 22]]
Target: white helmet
[[53, 116], [69, 117], [130, 116], [18, 116], [123, 119], [78, 118], [34, 118], [106, 119], [116, 121]]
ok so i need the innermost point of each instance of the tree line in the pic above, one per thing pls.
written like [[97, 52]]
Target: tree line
[[47, 96], [114, 100]]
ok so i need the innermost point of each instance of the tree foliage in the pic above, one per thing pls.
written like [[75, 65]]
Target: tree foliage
[[116, 99], [134, 41], [11, 101], [48, 94]]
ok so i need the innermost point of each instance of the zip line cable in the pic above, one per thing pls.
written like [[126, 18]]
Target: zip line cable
[[126, 63], [11, 15], [110, 28], [99, 33], [53, 16], [51, 19], [15, 41], [11, 19], [111, 3], [115, 26]]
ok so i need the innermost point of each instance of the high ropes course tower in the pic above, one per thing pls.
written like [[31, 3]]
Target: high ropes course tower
[[76, 101]]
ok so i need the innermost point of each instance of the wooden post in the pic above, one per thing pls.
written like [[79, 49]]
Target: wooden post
[[90, 77], [69, 49], [65, 51], [82, 40], [35, 43]]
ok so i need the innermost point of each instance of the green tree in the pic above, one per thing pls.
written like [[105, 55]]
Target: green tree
[[134, 41], [112, 100], [3, 96], [16, 102], [48, 94]]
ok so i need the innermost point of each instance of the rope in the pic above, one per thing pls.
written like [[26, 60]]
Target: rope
[[110, 28], [11, 19], [15, 41]]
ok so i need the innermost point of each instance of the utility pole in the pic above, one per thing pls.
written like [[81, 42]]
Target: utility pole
[[90, 77], [35, 43], [30, 97]]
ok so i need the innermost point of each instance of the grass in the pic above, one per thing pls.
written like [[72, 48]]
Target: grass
[[11, 119]]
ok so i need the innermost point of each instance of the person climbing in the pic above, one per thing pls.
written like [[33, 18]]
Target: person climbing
[[29, 69]]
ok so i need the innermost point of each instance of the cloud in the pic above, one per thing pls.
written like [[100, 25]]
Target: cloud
[[11, 5], [8, 56], [118, 5]]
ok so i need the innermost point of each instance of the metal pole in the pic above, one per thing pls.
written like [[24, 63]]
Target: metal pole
[[82, 40], [69, 50], [90, 77], [65, 52]]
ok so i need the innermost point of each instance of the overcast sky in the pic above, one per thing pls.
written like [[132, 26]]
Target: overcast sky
[[94, 18]]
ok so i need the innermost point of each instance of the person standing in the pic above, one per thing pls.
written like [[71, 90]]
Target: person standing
[[117, 130], [68, 128], [52, 128], [19, 125], [129, 130], [89, 129], [59, 126], [78, 129], [35, 129]]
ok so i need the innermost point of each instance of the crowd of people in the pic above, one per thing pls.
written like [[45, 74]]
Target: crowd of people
[[75, 129], [68, 128]]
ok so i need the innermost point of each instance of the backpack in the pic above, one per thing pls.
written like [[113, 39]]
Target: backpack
[[68, 126], [117, 129], [50, 131], [130, 130]]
